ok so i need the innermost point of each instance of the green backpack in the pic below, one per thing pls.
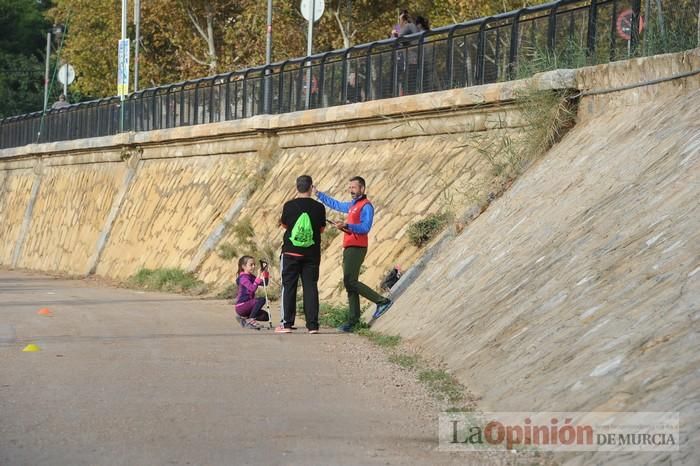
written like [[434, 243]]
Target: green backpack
[[302, 235]]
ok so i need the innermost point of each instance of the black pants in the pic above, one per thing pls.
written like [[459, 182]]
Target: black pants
[[294, 267]]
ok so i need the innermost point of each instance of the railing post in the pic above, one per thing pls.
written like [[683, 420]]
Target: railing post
[[368, 74], [261, 104], [450, 52], [592, 19], [281, 104], [344, 78], [212, 86], [195, 118], [421, 64], [552, 29], [514, 40], [613, 35], [227, 98], [394, 71], [267, 93], [634, 32], [322, 77], [244, 107], [481, 52]]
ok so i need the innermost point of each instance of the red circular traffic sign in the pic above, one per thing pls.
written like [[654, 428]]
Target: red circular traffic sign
[[624, 24]]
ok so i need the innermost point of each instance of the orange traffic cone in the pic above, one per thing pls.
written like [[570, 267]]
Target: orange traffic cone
[[45, 311]]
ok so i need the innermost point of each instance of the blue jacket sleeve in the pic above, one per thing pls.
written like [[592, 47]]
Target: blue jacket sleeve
[[334, 204], [366, 219]]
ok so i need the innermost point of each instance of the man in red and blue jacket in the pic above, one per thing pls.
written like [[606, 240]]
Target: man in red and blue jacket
[[355, 229]]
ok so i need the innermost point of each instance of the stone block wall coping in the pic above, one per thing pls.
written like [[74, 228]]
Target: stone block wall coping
[[252, 128]]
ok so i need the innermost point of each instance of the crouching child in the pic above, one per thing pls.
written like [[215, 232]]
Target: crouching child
[[249, 309]]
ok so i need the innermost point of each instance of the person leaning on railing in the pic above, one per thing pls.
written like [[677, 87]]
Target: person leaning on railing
[[423, 25], [61, 102], [406, 63]]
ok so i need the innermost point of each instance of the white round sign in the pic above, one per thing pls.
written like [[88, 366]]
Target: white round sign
[[66, 74], [315, 7]]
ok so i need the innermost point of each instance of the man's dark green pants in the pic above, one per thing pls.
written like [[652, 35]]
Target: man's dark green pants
[[352, 262]]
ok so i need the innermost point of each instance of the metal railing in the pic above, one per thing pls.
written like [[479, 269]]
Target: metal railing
[[561, 34]]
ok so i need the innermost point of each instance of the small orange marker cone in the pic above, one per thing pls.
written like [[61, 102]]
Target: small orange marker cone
[[45, 311], [31, 348]]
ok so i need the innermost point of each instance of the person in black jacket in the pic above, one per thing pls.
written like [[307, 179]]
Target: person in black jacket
[[303, 219]]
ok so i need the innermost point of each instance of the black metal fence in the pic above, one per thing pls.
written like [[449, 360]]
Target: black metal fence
[[561, 34]]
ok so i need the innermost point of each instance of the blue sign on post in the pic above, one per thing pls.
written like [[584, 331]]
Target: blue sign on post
[[123, 68]]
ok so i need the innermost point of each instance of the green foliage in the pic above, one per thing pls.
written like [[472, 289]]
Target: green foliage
[[227, 251], [22, 49], [173, 48], [23, 26], [332, 316], [174, 280], [379, 339], [177, 46], [407, 361], [243, 229], [547, 116], [537, 60], [244, 235], [21, 84], [442, 384], [426, 229]]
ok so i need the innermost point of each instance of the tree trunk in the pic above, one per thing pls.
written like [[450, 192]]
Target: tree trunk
[[213, 57]]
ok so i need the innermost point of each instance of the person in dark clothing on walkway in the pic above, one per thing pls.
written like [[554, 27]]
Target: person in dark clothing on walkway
[[355, 228], [303, 219]]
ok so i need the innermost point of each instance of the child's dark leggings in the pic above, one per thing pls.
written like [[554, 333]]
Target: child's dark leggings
[[252, 309]]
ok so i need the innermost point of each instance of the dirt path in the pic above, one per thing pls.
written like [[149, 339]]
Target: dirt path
[[127, 377]]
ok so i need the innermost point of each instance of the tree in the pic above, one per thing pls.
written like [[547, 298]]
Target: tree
[[188, 39], [21, 56]]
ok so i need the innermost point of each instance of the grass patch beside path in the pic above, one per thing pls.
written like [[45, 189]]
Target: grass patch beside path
[[441, 385], [172, 280], [332, 316], [379, 339]]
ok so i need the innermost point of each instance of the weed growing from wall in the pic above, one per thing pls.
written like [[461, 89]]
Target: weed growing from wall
[[227, 251], [422, 231], [547, 115]]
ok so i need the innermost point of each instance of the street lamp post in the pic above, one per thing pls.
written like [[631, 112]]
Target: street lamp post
[[137, 25], [57, 31], [268, 58], [46, 71]]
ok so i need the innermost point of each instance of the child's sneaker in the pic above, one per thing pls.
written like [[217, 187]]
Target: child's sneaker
[[241, 320], [313, 332], [252, 324], [282, 329]]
